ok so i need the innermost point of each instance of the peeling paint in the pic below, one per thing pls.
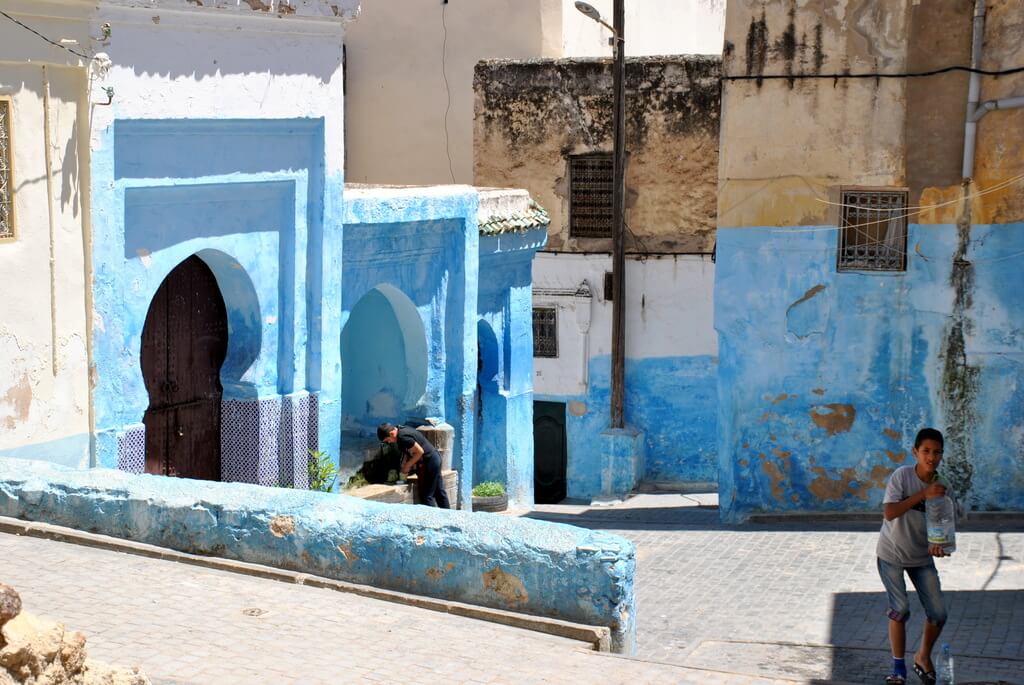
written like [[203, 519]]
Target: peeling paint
[[892, 434], [507, 586], [834, 418], [346, 551], [18, 399], [281, 526], [849, 482]]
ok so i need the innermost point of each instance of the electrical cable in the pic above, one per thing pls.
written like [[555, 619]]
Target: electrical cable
[[874, 75], [447, 89], [53, 43]]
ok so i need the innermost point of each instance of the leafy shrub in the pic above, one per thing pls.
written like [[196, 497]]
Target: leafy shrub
[[322, 471], [491, 488]]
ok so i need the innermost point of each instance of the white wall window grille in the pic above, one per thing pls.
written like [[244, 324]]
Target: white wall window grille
[[873, 230], [6, 171], [545, 332], [591, 180]]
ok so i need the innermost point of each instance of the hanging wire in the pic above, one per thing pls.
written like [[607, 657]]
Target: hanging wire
[[447, 89], [818, 229], [51, 42]]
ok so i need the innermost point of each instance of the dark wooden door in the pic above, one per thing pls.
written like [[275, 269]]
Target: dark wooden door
[[184, 342], [549, 452]]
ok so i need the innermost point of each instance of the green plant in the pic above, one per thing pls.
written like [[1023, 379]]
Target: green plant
[[357, 480], [491, 488], [322, 471]]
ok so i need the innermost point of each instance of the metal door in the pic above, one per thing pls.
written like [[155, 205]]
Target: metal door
[[549, 452], [184, 342]]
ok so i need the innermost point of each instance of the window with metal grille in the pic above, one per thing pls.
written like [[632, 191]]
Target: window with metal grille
[[609, 287], [873, 230], [590, 196], [6, 172], [545, 332]]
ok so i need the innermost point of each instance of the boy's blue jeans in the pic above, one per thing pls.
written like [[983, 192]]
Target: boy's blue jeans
[[926, 582]]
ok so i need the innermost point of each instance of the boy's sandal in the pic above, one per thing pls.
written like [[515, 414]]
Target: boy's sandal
[[895, 679], [927, 677]]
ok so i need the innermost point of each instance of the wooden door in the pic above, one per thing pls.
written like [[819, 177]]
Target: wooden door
[[184, 342], [549, 452]]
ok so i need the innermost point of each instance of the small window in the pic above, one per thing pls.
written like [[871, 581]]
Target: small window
[[873, 231], [545, 332], [6, 172], [609, 287], [591, 179]]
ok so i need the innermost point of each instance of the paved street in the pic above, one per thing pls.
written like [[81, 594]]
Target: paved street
[[755, 604], [725, 597]]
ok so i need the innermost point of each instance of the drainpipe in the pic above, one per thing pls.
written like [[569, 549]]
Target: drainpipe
[[48, 157], [974, 110]]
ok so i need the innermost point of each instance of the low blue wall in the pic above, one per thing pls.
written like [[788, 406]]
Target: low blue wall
[[532, 567]]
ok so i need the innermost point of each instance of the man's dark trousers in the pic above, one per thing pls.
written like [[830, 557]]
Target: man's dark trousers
[[432, 484]]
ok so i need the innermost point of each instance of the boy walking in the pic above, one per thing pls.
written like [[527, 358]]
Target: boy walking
[[903, 548]]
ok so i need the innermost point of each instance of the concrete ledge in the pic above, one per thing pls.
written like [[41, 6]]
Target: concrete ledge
[[516, 566], [597, 636]]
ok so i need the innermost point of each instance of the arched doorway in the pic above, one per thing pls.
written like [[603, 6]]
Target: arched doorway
[[184, 342], [384, 359]]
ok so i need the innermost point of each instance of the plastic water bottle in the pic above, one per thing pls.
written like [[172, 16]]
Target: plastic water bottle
[[940, 512], [944, 672]]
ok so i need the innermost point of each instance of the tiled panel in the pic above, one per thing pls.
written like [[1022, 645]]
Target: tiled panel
[[131, 449]]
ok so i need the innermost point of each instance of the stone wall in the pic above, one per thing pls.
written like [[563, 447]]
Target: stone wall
[[530, 116]]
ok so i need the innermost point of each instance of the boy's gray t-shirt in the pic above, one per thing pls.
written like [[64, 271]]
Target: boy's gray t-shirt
[[904, 540]]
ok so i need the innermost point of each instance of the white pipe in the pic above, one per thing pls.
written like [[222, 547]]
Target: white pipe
[[992, 105], [48, 157], [973, 89]]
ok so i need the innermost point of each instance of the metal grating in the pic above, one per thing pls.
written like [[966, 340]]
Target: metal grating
[[545, 332], [591, 180], [873, 235], [6, 181]]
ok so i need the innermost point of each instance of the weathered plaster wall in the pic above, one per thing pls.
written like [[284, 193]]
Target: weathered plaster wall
[[653, 27], [504, 562], [409, 109], [224, 139], [531, 115], [44, 398], [824, 377], [671, 362], [423, 243], [858, 129]]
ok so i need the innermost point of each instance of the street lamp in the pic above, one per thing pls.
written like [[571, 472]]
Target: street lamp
[[618, 374]]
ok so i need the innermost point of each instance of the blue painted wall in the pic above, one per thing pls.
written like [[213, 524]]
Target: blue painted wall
[[671, 401], [504, 450], [424, 246], [825, 377], [247, 196]]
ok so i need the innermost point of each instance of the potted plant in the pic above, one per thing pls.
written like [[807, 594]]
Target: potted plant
[[490, 496]]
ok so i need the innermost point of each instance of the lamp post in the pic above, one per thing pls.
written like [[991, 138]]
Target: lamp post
[[618, 372]]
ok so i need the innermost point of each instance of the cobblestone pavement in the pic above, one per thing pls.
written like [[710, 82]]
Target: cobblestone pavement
[[189, 624], [803, 599]]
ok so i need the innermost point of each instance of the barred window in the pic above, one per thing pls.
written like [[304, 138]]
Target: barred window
[[6, 171], [545, 332], [873, 231], [591, 181]]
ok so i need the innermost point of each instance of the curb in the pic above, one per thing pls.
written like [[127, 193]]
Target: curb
[[599, 637]]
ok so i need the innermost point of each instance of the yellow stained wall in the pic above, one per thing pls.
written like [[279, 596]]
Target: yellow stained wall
[[788, 144]]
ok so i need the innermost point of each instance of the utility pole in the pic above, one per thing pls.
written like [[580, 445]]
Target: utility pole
[[618, 375]]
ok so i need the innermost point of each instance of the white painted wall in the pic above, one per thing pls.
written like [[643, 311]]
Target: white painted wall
[[43, 359], [669, 310], [397, 94], [180, 61], [653, 27]]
